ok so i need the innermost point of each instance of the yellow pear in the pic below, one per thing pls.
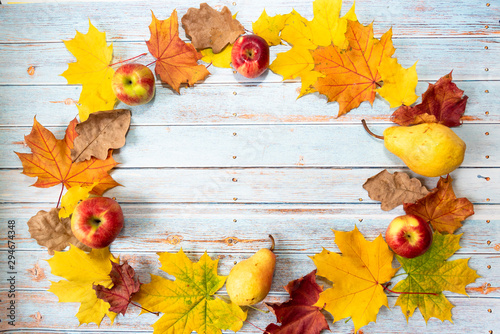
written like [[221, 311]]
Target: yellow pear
[[250, 280], [429, 149]]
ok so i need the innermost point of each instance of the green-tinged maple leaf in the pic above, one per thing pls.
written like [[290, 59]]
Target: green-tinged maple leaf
[[92, 71], [188, 303], [269, 27], [81, 270], [432, 273], [357, 276]]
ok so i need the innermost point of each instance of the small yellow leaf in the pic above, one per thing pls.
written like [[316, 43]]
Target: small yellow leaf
[[81, 270], [399, 82], [293, 63], [221, 59], [308, 79], [91, 70], [72, 197], [269, 27], [297, 31]]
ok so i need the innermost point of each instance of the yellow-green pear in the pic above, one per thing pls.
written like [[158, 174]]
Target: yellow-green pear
[[429, 149], [250, 280]]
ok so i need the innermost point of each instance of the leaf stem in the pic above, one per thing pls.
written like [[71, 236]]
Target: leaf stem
[[145, 309], [60, 196], [408, 293], [151, 63], [260, 329], [122, 61], [369, 131]]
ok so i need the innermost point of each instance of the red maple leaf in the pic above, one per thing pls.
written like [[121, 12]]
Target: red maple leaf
[[442, 103], [298, 315], [441, 208], [125, 284]]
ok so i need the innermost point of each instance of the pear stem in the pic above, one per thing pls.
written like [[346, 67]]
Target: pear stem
[[369, 131], [257, 309], [272, 243], [407, 293]]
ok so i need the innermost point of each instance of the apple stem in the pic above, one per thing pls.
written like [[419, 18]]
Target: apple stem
[[145, 309], [122, 61], [369, 131], [272, 243], [407, 293], [60, 196]]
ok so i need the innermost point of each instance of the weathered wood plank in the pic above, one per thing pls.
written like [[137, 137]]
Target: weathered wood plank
[[251, 185], [467, 57], [332, 145], [239, 228], [242, 104], [33, 271], [130, 20], [39, 310]]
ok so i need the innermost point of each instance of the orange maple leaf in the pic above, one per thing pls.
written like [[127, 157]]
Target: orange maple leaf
[[351, 75], [176, 61], [50, 161]]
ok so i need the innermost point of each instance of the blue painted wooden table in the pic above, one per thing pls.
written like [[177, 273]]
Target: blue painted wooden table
[[224, 164]]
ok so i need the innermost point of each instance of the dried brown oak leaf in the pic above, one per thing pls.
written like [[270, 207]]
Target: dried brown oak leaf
[[209, 28], [125, 284], [54, 233], [103, 130], [299, 315], [394, 189], [441, 208], [442, 103]]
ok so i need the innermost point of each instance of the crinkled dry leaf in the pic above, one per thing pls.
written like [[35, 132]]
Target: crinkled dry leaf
[[299, 315], [103, 130], [209, 28], [442, 103], [54, 233], [357, 276], [50, 161], [441, 208], [125, 284], [176, 61], [394, 189], [433, 273]]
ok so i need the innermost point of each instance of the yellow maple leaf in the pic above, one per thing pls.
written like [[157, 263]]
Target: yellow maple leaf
[[81, 270], [399, 82], [221, 59], [269, 27], [351, 76], [357, 276], [325, 28], [92, 71], [72, 197], [188, 303]]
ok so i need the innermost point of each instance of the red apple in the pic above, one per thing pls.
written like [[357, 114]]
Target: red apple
[[97, 221], [133, 84], [250, 55], [409, 236]]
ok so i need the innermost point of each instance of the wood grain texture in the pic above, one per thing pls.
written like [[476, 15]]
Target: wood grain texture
[[242, 104], [125, 20], [469, 61], [231, 160], [263, 146]]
